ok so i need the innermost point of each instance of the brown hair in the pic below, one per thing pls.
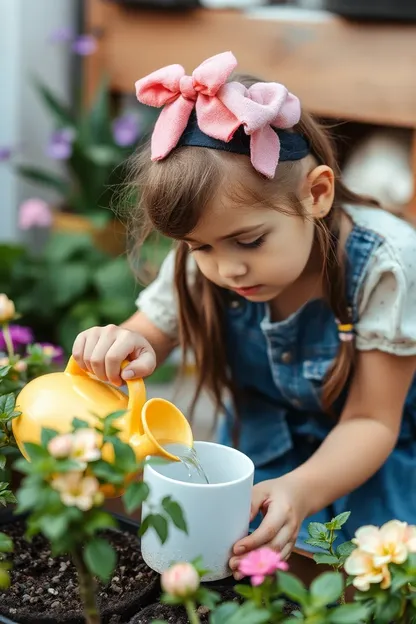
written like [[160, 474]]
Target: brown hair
[[173, 195]]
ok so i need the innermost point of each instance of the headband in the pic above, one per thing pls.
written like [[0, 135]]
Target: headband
[[207, 111]]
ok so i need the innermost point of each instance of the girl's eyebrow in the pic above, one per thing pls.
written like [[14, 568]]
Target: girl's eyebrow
[[234, 234]]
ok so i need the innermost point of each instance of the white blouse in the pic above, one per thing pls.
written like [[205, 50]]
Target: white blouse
[[387, 302]]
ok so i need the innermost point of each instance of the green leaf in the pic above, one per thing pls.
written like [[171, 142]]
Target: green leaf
[[6, 544], [316, 543], [47, 435], [64, 246], [325, 559], [125, 458], [135, 494], [77, 423], [207, 597], [174, 511], [4, 578], [54, 527], [99, 120], [2, 462], [7, 404], [388, 611], [35, 451], [353, 613], [103, 155], [250, 613], [345, 549], [98, 520], [68, 281], [100, 558], [340, 520], [107, 472], [158, 522], [45, 178], [115, 279], [59, 110], [27, 498], [292, 587], [317, 530], [224, 613], [246, 591], [327, 588], [4, 371]]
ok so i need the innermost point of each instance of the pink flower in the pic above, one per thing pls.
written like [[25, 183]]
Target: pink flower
[[260, 563], [34, 213], [60, 446], [20, 366], [181, 580]]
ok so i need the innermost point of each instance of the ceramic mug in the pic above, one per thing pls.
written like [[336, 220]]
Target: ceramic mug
[[217, 514]]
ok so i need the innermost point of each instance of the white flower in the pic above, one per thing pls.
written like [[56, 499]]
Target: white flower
[[385, 545], [76, 490], [7, 309], [361, 565], [60, 446], [181, 580], [85, 445]]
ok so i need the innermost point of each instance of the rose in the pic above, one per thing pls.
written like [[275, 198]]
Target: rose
[[181, 580], [7, 309]]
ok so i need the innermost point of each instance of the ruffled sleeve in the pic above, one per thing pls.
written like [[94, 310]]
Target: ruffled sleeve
[[387, 309], [159, 302]]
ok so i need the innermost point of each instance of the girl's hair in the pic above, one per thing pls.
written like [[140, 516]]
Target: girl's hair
[[173, 194]]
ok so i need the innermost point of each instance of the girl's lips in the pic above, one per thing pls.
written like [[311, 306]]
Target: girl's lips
[[250, 290]]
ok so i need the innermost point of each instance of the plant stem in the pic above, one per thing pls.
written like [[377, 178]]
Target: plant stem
[[192, 614], [86, 588], [8, 340]]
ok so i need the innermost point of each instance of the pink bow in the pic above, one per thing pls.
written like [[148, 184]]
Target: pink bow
[[221, 107]]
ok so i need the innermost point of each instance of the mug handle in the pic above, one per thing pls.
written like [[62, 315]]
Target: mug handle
[[136, 392]]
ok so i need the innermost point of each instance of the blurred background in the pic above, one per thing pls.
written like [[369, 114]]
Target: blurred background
[[69, 122]]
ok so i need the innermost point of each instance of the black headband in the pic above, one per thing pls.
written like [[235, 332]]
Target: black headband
[[293, 146]]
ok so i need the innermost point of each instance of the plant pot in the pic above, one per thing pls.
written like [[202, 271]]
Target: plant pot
[[45, 590], [111, 238]]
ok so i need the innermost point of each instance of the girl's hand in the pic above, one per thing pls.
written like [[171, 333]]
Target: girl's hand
[[101, 351], [283, 504]]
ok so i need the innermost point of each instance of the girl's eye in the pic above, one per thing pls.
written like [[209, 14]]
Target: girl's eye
[[254, 244], [203, 248]]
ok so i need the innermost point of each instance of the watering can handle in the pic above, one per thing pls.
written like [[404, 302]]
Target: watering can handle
[[136, 389]]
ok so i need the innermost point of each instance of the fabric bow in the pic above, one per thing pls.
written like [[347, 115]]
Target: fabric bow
[[221, 107]]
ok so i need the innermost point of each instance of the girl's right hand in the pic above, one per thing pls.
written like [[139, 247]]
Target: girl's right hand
[[101, 351]]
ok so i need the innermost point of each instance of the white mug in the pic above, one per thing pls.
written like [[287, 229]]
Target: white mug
[[217, 514]]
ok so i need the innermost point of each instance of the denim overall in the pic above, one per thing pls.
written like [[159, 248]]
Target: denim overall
[[279, 368]]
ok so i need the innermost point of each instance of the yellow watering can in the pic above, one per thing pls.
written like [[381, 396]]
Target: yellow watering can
[[53, 400]]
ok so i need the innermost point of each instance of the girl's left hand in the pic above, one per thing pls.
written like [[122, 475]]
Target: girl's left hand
[[283, 505]]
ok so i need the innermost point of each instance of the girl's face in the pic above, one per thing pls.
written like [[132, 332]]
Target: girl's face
[[257, 252]]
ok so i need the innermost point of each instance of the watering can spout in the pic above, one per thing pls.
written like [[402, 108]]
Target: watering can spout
[[54, 400]]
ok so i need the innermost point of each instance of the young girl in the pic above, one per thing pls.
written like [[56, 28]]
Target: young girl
[[296, 296]]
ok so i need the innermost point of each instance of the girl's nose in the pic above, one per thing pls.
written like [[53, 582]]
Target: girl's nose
[[231, 270]]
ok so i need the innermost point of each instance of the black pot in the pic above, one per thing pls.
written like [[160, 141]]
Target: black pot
[[400, 10], [126, 606]]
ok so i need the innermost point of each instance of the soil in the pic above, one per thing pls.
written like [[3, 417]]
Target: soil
[[44, 590], [177, 615]]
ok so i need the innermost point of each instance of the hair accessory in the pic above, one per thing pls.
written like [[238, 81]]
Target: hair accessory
[[221, 107], [345, 331]]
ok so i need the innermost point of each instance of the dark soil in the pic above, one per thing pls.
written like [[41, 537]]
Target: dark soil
[[44, 590], [177, 615]]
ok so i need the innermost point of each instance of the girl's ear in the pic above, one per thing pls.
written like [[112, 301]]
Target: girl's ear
[[319, 191]]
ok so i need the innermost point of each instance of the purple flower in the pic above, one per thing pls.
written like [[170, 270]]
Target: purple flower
[[60, 144], [64, 34], [5, 153], [84, 45], [20, 336], [126, 129], [53, 351]]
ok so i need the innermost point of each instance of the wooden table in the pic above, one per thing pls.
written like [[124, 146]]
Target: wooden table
[[342, 70]]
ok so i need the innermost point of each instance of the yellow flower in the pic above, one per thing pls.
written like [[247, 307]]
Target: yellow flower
[[410, 538], [386, 544], [76, 490], [7, 309], [361, 565]]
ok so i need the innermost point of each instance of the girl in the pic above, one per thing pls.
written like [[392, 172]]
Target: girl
[[296, 296]]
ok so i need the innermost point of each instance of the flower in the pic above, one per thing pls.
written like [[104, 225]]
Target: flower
[[34, 213], [4, 361], [385, 544], [181, 580], [20, 366], [63, 34], [361, 565], [76, 490], [126, 130], [7, 309], [5, 153], [84, 45], [60, 144], [85, 445], [60, 446], [53, 351], [410, 538], [261, 562]]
